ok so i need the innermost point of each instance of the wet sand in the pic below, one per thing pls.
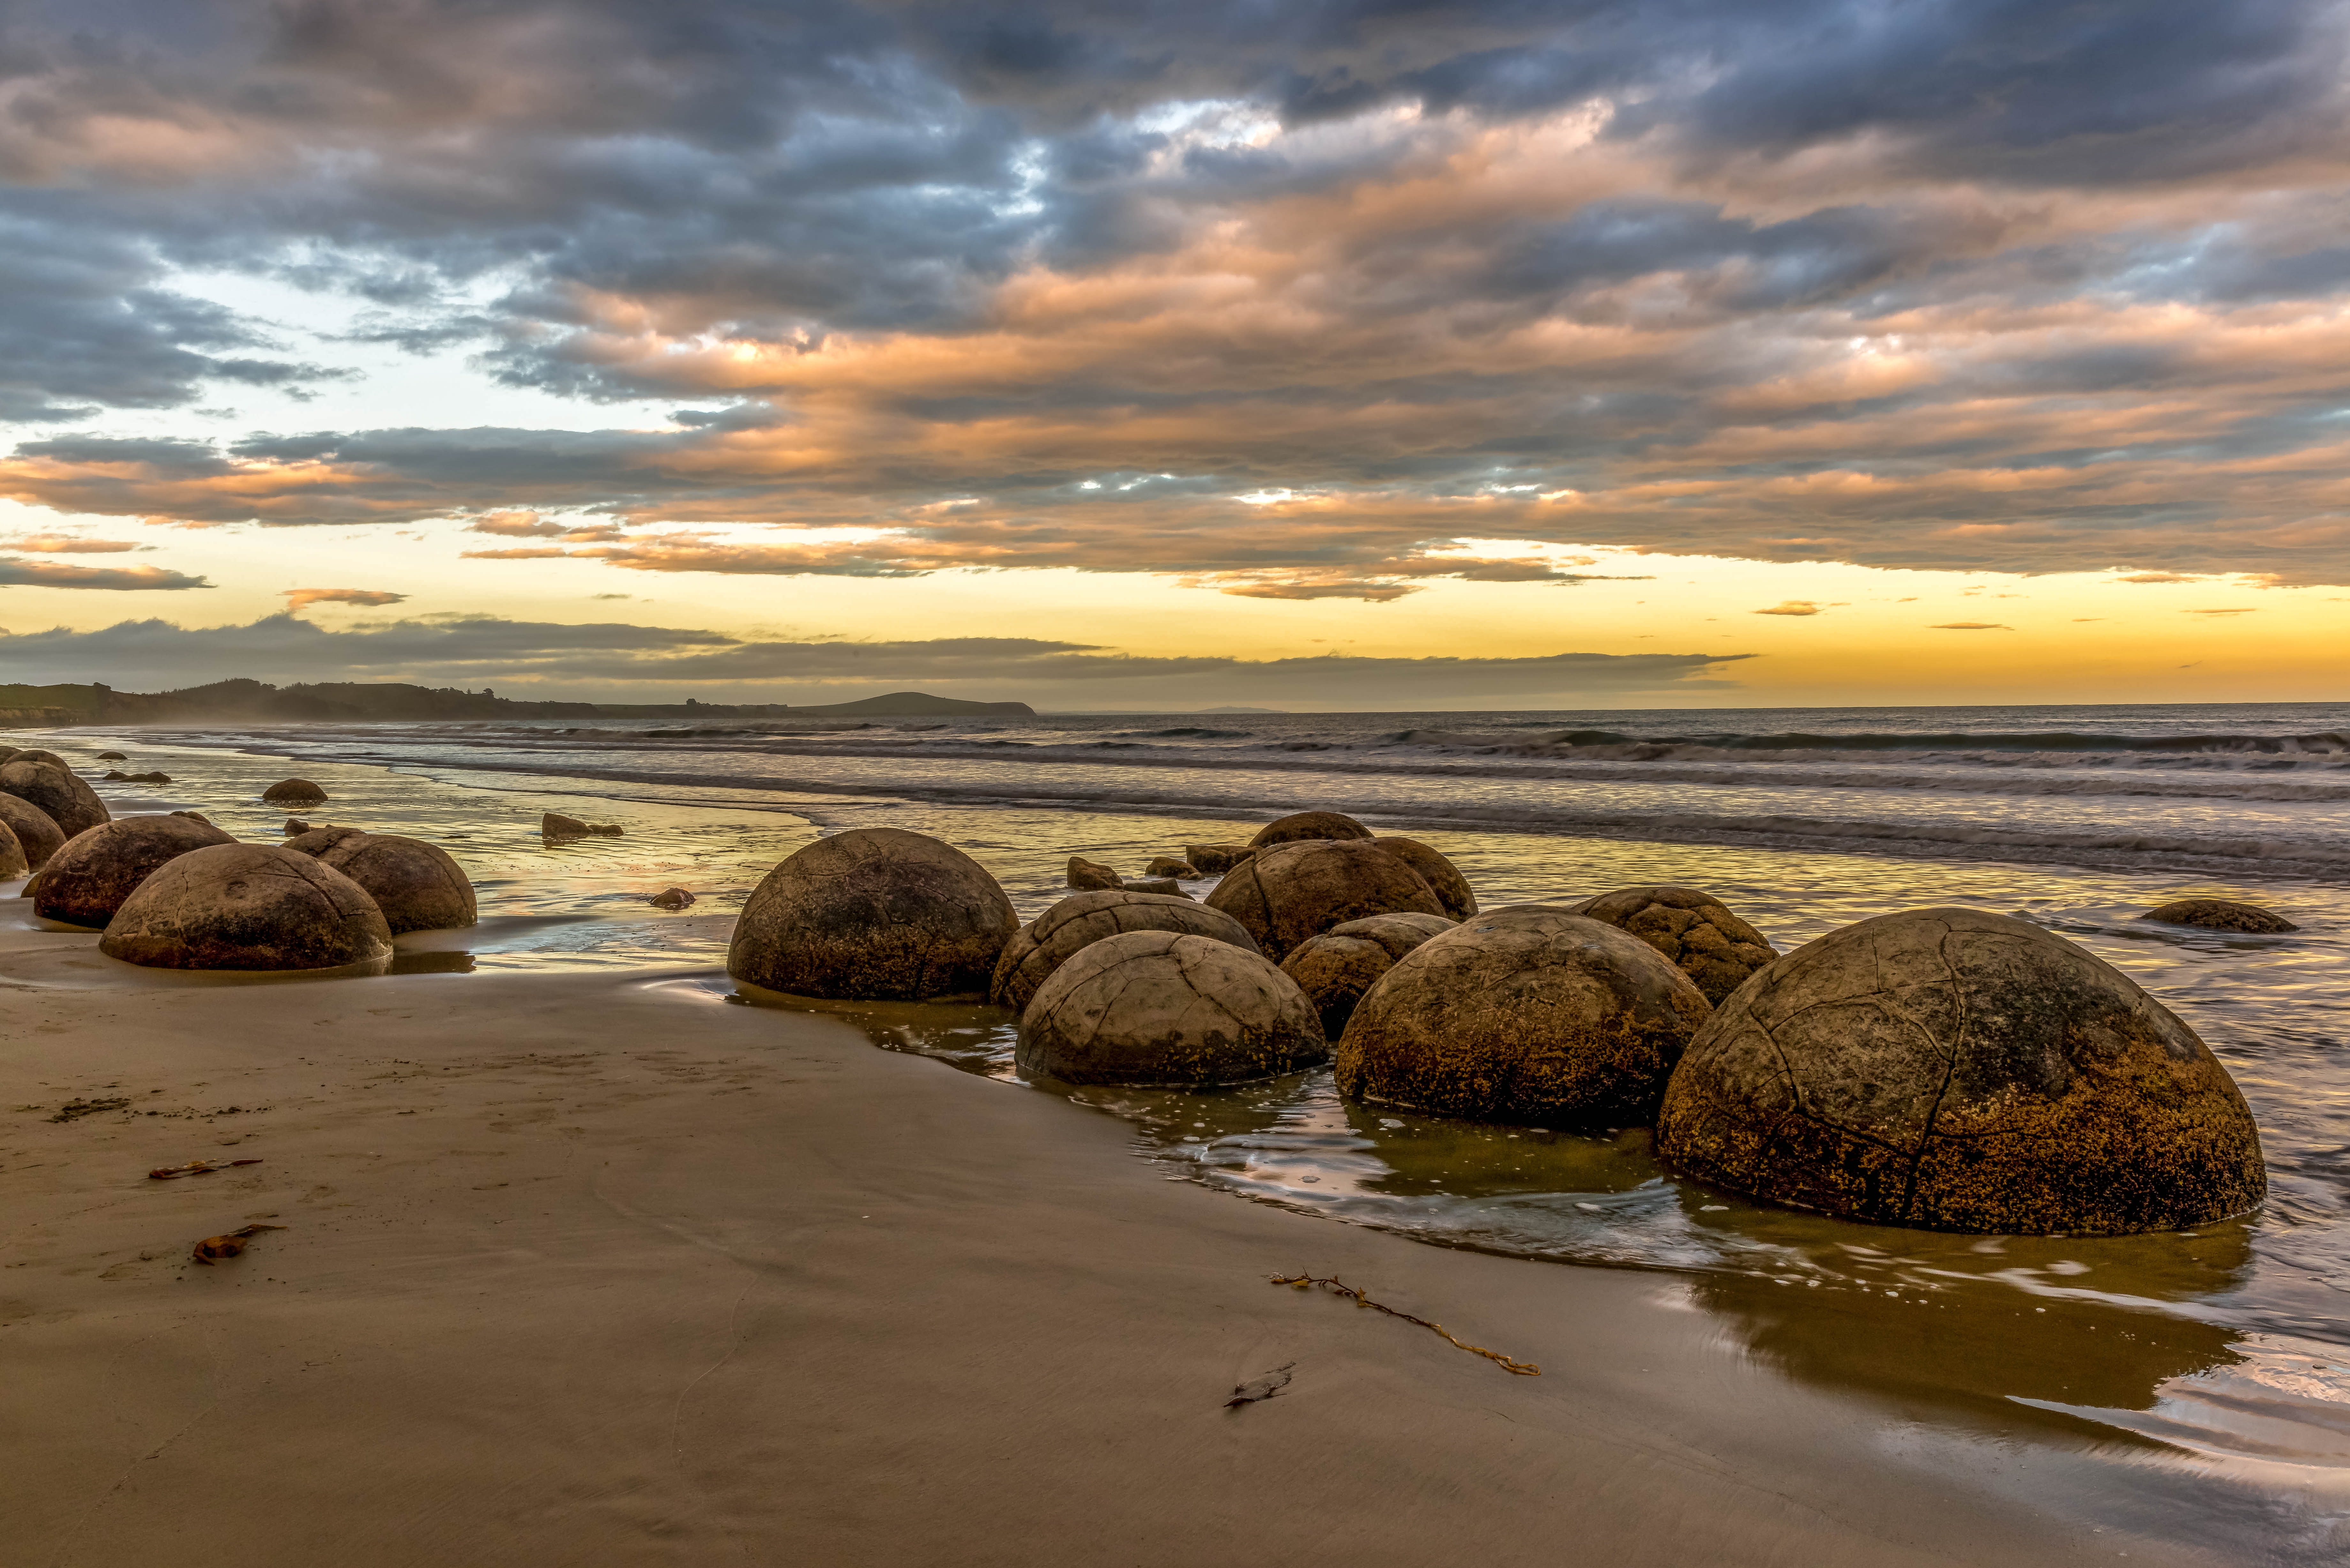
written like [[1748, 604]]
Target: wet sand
[[587, 1268]]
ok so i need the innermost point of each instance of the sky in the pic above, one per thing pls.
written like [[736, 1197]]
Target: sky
[[1347, 354]]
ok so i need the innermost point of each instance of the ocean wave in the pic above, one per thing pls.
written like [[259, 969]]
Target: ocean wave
[[2326, 742]]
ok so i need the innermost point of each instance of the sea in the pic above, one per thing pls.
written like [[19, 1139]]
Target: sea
[[2226, 1348]]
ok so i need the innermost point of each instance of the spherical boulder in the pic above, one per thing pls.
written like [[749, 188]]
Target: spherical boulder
[[13, 862], [1081, 919], [1301, 825], [294, 792], [1695, 931], [1161, 1007], [1526, 1014], [416, 885], [873, 914], [57, 789], [1954, 1070], [2221, 915], [1442, 877], [37, 831], [1335, 968], [88, 880], [1291, 891], [247, 906]]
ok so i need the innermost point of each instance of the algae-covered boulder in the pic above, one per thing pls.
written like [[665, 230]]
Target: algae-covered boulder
[[1081, 919], [1956, 1070], [1291, 891], [2221, 915], [416, 885], [1442, 877], [1301, 825], [38, 833], [247, 906], [1161, 1007], [1696, 930], [874, 914], [1527, 1014], [39, 780], [294, 792], [1092, 876], [1335, 968], [88, 880]]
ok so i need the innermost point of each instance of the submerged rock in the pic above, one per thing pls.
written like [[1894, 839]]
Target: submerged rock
[[38, 833], [1956, 1070], [875, 913], [2221, 915], [294, 792], [1291, 891], [554, 824], [1442, 877], [41, 780], [1696, 930], [1299, 826], [1078, 922], [247, 906], [1527, 1014], [89, 880], [1161, 1007], [112, 757], [1335, 969], [670, 899]]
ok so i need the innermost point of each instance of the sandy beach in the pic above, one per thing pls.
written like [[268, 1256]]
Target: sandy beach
[[596, 1269]]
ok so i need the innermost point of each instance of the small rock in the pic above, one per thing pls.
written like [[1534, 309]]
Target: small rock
[[1168, 866], [112, 757], [1092, 877], [1167, 885], [670, 899], [555, 824], [294, 792], [2221, 915], [294, 824], [1215, 859], [112, 775]]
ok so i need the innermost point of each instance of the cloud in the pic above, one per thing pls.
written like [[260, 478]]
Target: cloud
[[1968, 626], [2246, 610], [516, 525], [1791, 607], [69, 545], [616, 660], [302, 598], [53, 574]]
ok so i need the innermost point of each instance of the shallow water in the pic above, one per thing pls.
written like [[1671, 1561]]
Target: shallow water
[[2229, 1344]]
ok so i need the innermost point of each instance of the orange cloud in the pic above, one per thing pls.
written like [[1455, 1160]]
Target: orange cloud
[[302, 598]]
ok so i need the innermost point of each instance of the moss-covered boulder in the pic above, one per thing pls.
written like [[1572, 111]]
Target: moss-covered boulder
[[416, 885], [2221, 915], [1299, 826], [1442, 877], [1290, 892], [38, 833], [89, 880], [1081, 919], [873, 914], [1335, 968], [247, 906], [1956, 1070], [39, 780], [1527, 1014], [1696, 930], [1161, 1007]]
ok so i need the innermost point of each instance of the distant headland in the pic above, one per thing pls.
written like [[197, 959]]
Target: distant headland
[[351, 703]]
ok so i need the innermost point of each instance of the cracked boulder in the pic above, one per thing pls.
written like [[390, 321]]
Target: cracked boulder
[[1696, 930], [1292, 891], [247, 906], [875, 914], [1335, 968], [1954, 1070], [89, 880], [1162, 1007], [417, 885], [1442, 877], [1301, 825], [1081, 919]]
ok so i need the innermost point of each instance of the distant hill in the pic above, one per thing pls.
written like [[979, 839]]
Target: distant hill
[[47, 706]]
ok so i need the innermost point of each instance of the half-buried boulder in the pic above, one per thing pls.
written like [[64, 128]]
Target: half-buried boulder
[[416, 885], [247, 906], [1159, 1007], [294, 792], [1956, 1070], [2221, 915], [1525, 1014], [1335, 968], [37, 831], [1081, 919], [1695, 931], [873, 914], [1442, 877], [88, 880], [1301, 825], [55, 789], [1291, 891]]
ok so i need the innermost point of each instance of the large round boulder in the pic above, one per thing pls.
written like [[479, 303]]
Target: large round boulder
[[88, 880], [873, 914], [1956, 1070], [1442, 877], [55, 789], [1527, 1014], [13, 862], [1696, 930], [1335, 968], [294, 792], [1081, 919], [1292, 891], [416, 885], [1299, 826], [1161, 1007], [247, 906], [2221, 915], [37, 831]]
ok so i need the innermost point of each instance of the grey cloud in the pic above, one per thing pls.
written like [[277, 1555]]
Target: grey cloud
[[58, 575]]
